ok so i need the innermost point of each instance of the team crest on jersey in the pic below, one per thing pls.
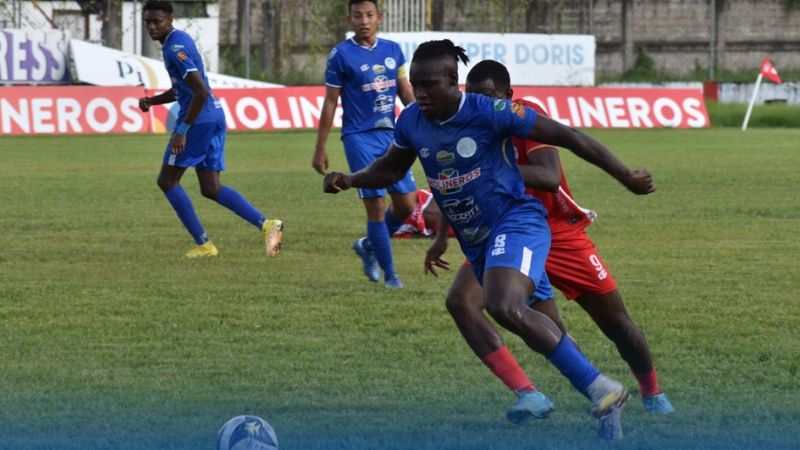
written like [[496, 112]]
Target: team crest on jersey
[[182, 56], [390, 63], [364, 67], [499, 105], [450, 182], [377, 68], [424, 152], [518, 108], [466, 147], [444, 157]]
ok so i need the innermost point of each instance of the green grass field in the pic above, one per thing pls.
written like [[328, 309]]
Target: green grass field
[[111, 340]]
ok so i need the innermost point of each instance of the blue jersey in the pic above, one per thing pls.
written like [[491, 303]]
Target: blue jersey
[[180, 58], [470, 168], [368, 79]]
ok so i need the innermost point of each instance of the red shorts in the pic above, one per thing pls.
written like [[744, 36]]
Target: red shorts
[[575, 268]]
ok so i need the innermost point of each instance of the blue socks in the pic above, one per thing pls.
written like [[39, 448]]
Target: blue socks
[[182, 205], [233, 200], [573, 365], [379, 243], [391, 223]]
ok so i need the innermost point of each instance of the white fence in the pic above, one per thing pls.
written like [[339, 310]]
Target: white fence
[[405, 15]]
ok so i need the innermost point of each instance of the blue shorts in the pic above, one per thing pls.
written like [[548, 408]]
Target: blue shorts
[[361, 149], [520, 241], [205, 148]]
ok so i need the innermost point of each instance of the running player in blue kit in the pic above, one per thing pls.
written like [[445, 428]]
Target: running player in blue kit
[[368, 73], [198, 139], [460, 140]]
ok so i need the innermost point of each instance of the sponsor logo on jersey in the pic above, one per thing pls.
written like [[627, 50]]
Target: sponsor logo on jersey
[[424, 152], [474, 235], [176, 47], [383, 122], [383, 104], [364, 67], [460, 210], [499, 105], [450, 181], [377, 68], [466, 147], [381, 84], [444, 157], [182, 56], [332, 53], [390, 63]]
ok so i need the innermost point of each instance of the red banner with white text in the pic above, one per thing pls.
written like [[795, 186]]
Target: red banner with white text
[[86, 109]]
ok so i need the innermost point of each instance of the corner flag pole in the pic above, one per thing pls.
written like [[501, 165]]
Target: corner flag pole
[[752, 101]]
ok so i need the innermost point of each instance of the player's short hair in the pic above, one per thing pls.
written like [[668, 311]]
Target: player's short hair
[[436, 49], [158, 5], [489, 69], [355, 2]]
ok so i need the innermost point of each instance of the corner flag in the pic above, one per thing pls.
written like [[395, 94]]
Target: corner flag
[[769, 71]]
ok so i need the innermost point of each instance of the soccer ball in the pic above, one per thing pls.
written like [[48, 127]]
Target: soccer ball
[[246, 433]]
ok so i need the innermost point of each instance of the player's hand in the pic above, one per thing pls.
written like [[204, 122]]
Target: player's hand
[[178, 144], [145, 103], [639, 181], [434, 259], [335, 182], [320, 161]]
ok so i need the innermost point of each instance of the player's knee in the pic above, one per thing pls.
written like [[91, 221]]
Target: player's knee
[[209, 192], [165, 183], [401, 213], [457, 306]]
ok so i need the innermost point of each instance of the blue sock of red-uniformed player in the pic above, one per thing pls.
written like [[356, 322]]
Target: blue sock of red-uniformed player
[[391, 223], [573, 365], [182, 205], [233, 200], [378, 237]]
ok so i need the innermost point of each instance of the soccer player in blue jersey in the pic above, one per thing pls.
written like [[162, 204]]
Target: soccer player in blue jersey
[[198, 139], [368, 73], [460, 141]]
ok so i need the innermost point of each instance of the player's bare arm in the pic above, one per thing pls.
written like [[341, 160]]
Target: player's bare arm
[[319, 161], [549, 131], [404, 89], [167, 96], [433, 257], [199, 96], [544, 173], [383, 172]]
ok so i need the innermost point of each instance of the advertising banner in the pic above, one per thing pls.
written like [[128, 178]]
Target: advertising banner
[[531, 59], [103, 66], [71, 110], [33, 57], [84, 109]]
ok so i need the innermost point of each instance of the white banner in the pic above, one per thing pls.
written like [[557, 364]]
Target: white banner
[[531, 59], [103, 66]]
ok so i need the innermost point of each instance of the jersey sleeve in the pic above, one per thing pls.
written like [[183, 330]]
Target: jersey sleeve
[[528, 145], [178, 57], [511, 118], [334, 71]]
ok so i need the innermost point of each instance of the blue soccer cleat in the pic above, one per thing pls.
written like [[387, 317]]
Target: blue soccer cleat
[[371, 268], [393, 282], [658, 404], [530, 405]]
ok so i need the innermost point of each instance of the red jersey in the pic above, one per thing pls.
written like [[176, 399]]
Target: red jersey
[[563, 213]]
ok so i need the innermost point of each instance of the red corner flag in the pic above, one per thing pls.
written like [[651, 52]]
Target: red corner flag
[[769, 71]]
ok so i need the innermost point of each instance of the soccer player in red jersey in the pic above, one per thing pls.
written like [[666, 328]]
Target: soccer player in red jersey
[[573, 266]]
